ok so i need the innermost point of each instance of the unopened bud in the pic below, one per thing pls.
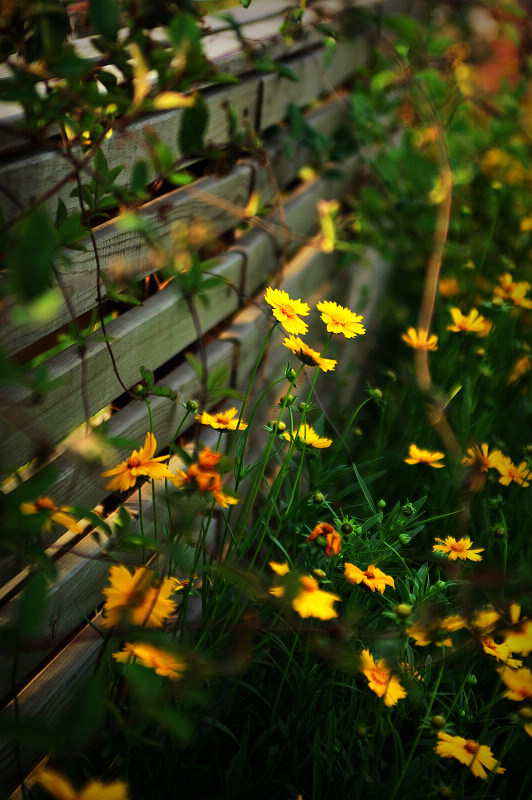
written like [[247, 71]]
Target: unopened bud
[[403, 610], [499, 532], [192, 406], [318, 498], [408, 510], [438, 722], [381, 504], [346, 528]]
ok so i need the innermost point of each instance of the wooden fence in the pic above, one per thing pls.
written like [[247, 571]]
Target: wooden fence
[[280, 248]]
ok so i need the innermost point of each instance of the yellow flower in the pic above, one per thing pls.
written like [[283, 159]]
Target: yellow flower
[[372, 577], [418, 456], [140, 463], [61, 788], [307, 599], [308, 356], [204, 477], [518, 638], [222, 419], [483, 620], [308, 436], [474, 755], [472, 323], [521, 367], [381, 680], [458, 549], [500, 651], [480, 456], [339, 319], [518, 681], [512, 473], [59, 514], [287, 311], [448, 286], [500, 165], [419, 339], [161, 661], [136, 600], [511, 290]]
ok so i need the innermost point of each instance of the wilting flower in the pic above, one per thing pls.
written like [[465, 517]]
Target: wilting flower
[[308, 600], [472, 323], [381, 680], [418, 456], [518, 681], [58, 786], [161, 661], [222, 419], [325, 535], [419, 339], [140, 463], [308, 356], [480, 456], [137, 599], [512, 473], [205, 478], [474, 755], [372, 577], [59, 514], [514, 291], [308, 436], [458, 549], [339, 319], [287, 311]]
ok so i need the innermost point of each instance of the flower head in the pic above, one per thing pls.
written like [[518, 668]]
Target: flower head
[[222, 420], [204, 477], [500, 651], [381, 680], [287, 311], [478, 757], [420, 340], [306, 598], [61, 788], [518, 681], [326, 536], [458, 549], [372, 577], [140, 463], [521, 367], [418, 456], [308, 356], [161, 661], [136, 599], [479, 455], [472, 323], [339, 319], [514, 291], [512, 473], [306, 435], [58, 514]]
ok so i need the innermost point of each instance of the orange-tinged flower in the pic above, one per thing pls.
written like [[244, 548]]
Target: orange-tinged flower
[[514, 291], [478, 757], [161, 661], [419, 339], [381, 680], [59, 514], [480, 456], [472, 323], [140, 463], [307, 599], [61, 788], [287, 311], [500, 651], [339, 319], [458, 549], [521, 367], [136, 599], [203, 476], [513, 473], [448, 286], [306, 435], [222, 420], [418, 456], [518, 681], [372, 577], [518, 638], [326, 535], [308, 356]]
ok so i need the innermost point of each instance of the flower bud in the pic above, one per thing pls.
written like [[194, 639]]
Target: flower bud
[[318, 498], [472, 679], [438, 722], [286, 399], [500, 532], [302, 407], [139, 390], [290, 374], [408, 510], [362, 732], [403, 610], [192, 406], [404, 538], [525, 713], [381, 504], [346, 528], [319, 574]]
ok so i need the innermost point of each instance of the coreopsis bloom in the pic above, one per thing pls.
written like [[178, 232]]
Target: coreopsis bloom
[[381, 680], [308, 600], [518, 638], [61, 788], [205, 478], [59, 514], [287, 311], [435, 630], [500, 651], [472, 323], [521, 367], [513, 473], [326, 536], [372, 577], [419, 339], [136, 599], [518, 681], [340, 320], [223, 420], [418, 456], [460, 548], [514, 291], [161, 661], [480, 456], [448, 286], [140, 463], [308, 356], [483, 620], [478, 757], [306, 435]]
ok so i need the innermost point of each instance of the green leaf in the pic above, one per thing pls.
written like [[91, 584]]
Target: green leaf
[[105, 17], [31, 606], [193, 126], [30, 261], [139, 176], [296, 121]]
